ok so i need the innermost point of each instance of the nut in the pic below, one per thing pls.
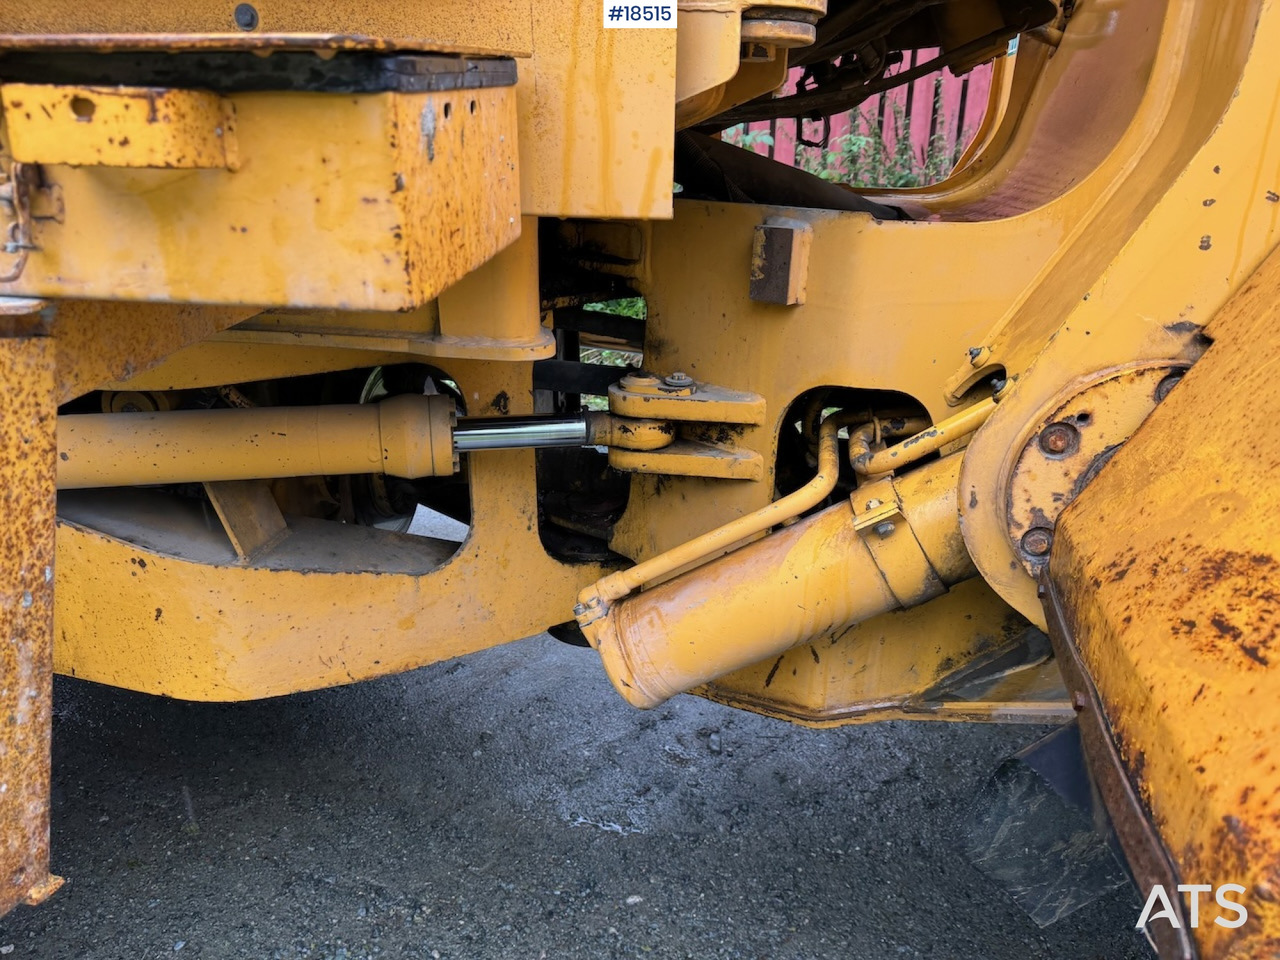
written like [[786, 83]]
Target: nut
[[678, 379]]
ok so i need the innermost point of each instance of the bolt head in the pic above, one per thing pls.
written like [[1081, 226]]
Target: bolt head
[[678, 379], [246, 16], [1059, 440], [872, 504], [1037, 542], [885, 528]]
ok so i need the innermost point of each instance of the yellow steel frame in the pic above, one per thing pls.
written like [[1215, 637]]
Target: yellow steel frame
[[702, 320]]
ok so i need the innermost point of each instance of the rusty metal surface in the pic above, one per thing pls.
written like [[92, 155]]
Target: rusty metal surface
[[1069, 447], [119, 126], [27, 503], [1167, 568], [356, 202], [100, 341], [1142, 847]]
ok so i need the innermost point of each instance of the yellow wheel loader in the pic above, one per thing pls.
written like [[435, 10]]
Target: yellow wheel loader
[[277, 277]]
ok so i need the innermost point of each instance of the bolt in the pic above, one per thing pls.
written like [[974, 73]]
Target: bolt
[[246, 16], [1059, 439], [579, 609], [997, 386], [678, 379], [872, 504], [1167, 384], [884, 528], [1037, 541], [977, 355]]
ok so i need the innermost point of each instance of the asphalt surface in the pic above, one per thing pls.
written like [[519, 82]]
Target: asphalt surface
[[510, 805]]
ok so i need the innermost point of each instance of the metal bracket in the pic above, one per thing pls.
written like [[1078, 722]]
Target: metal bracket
[[893, 545], [702, 450], [119, 126], [691, 458], [15, 193], [679, 397], [879, 504]]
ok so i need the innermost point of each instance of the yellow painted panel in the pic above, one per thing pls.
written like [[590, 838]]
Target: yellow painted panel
[[597, 117], [447, 25], [357, 202]]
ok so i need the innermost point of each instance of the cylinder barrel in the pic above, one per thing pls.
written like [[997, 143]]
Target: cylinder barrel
[[405, 436], [808, 581]]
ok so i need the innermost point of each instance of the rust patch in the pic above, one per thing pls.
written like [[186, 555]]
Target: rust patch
[[27, 448]]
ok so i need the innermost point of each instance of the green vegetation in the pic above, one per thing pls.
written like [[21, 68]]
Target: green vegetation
[[629, 307], [871, 154]]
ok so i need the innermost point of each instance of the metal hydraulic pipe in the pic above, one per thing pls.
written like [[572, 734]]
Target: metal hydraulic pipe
[[810, 580], [930, 439], [595, 599], [405, 436]]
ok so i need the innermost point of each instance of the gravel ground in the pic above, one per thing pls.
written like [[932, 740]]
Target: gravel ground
[[510, 805]]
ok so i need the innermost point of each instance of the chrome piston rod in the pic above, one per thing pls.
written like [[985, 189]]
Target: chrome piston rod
[[519, 433]]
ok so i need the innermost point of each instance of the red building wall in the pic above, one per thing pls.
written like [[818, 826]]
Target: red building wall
[[942, 109]]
